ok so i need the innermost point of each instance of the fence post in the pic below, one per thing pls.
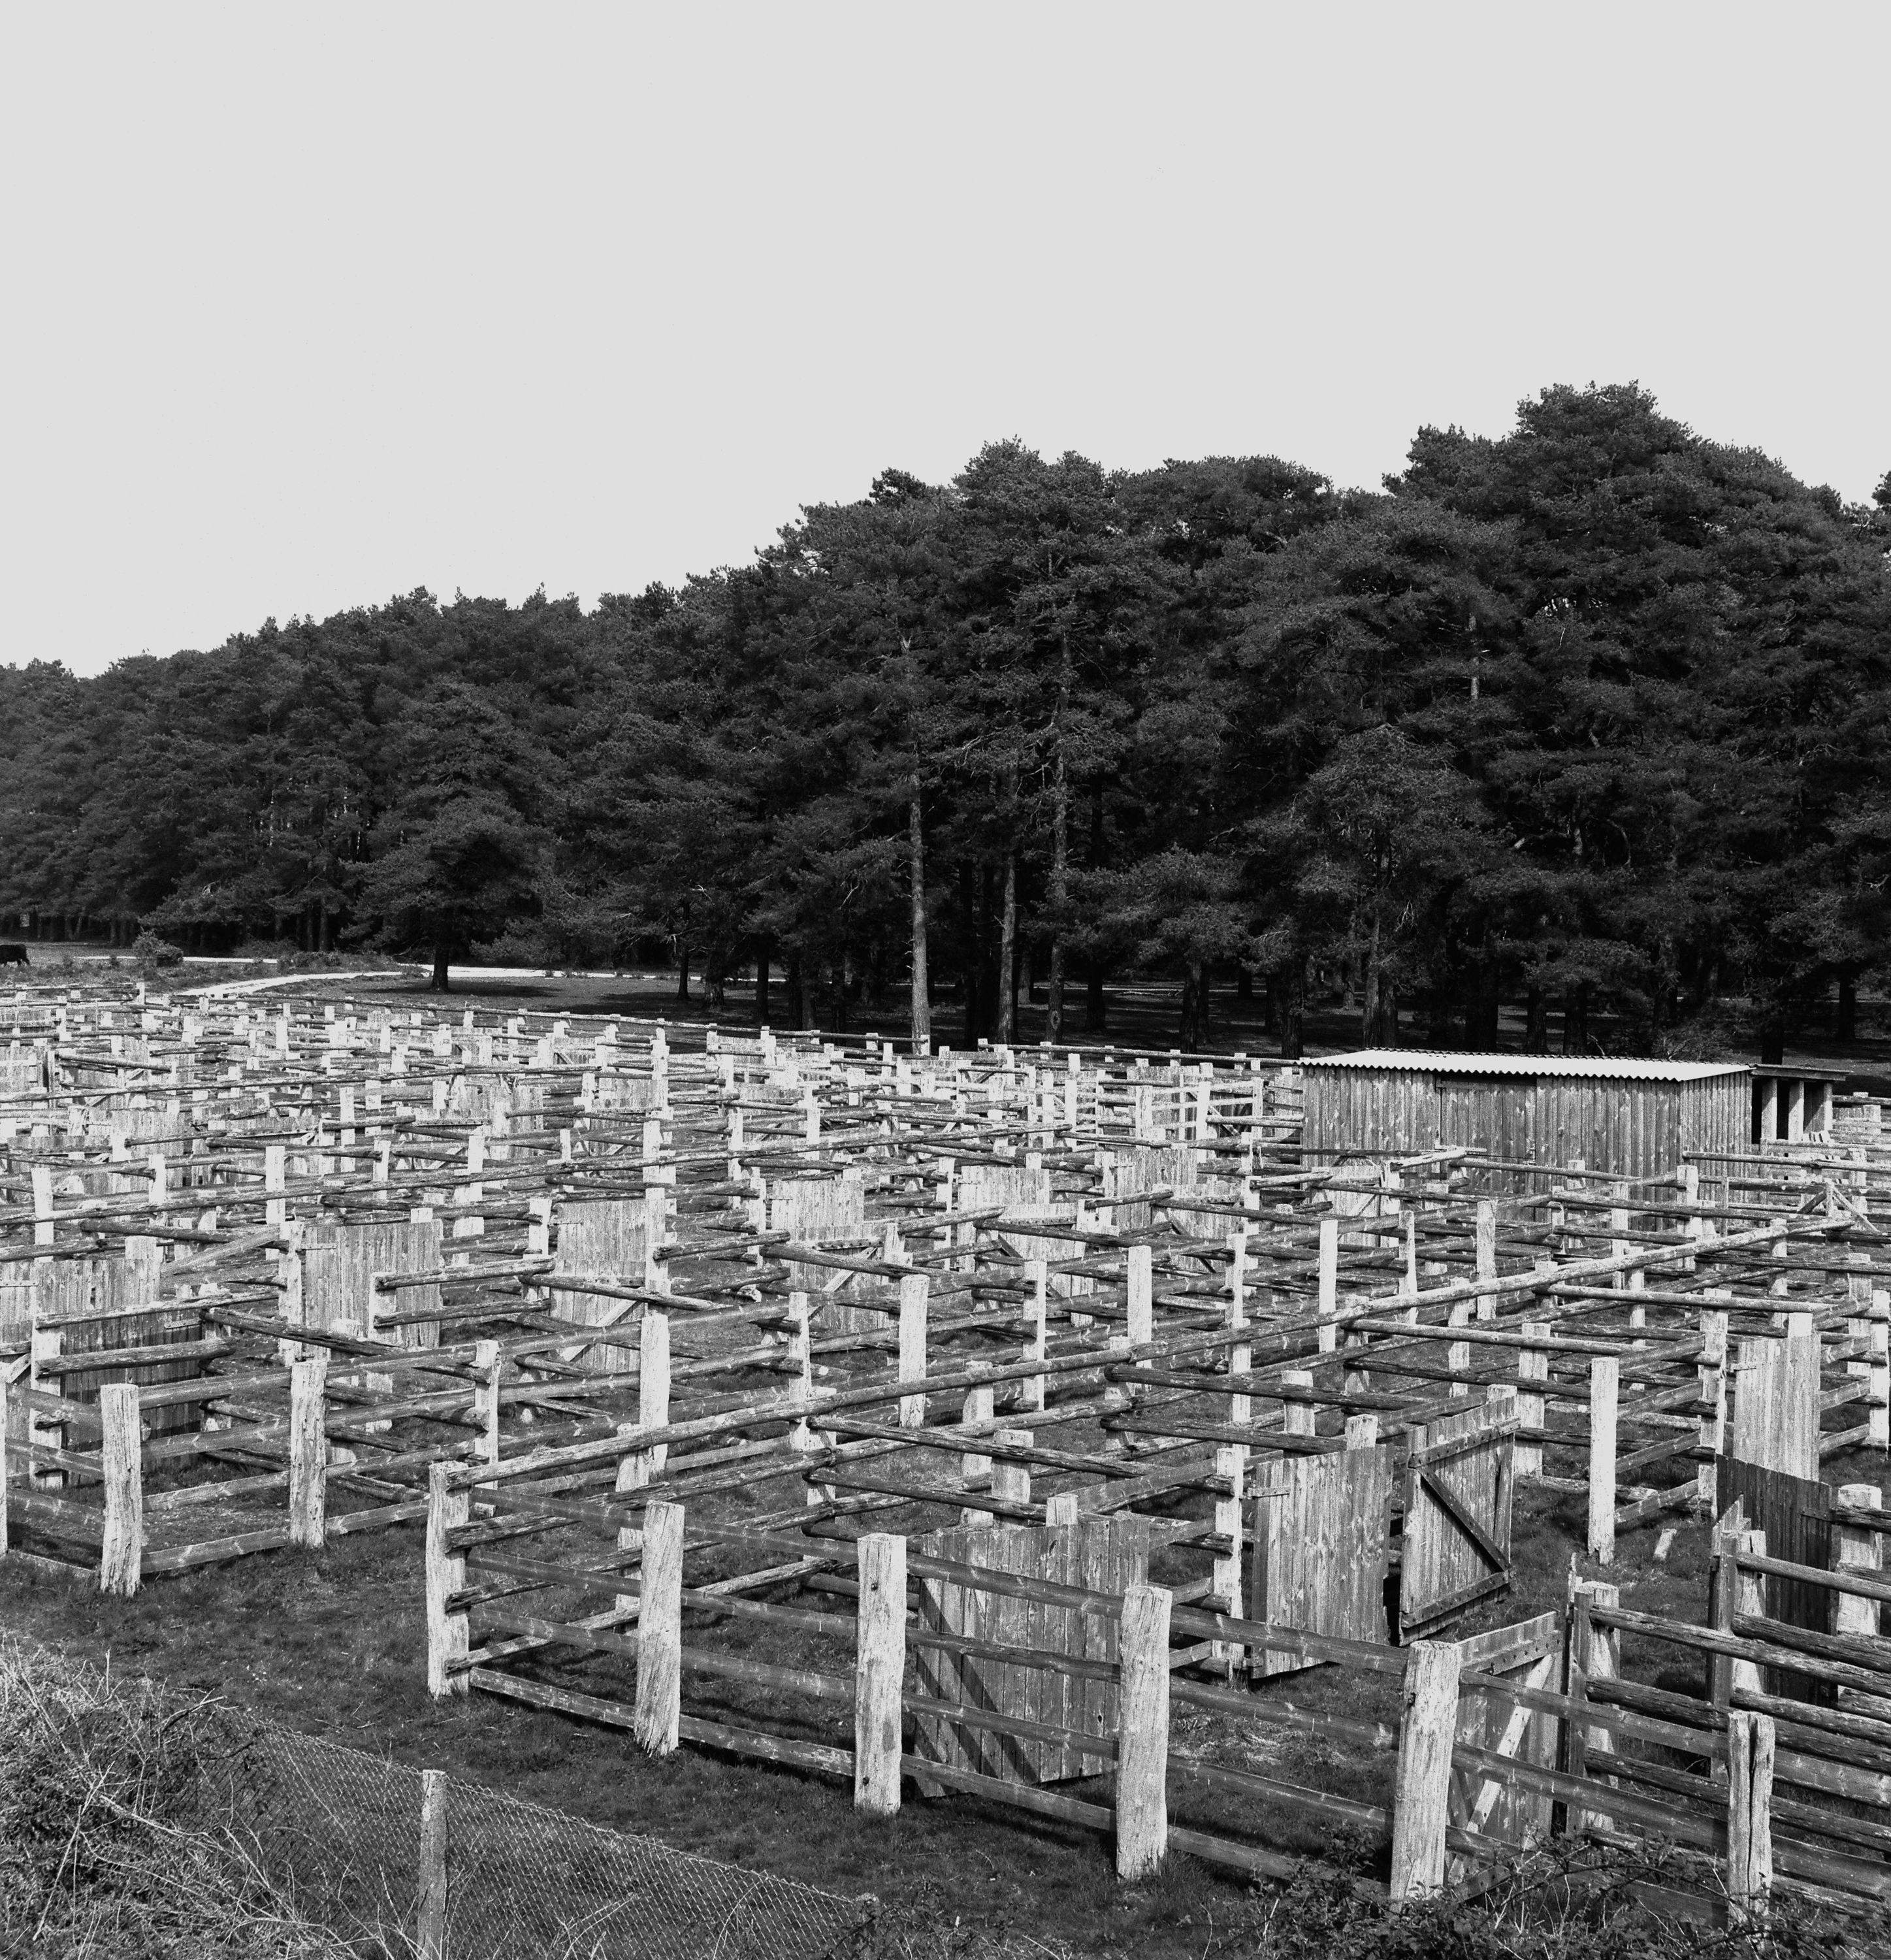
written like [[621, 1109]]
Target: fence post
[[1854, 1548], [1878, 1417], [1605, 1377], [1713, 1389], [448, 1633], [1010, 1481], [880, 1673], [1329, 1293], [6, 1470], [121, 1556], [1037, 1277], [1240, 1356], [1421, 1782], [1532, 1365], [1598, 1655], [1231, 1460], [489, 1364], [1298, 1418], [429, 1937], [660, 1632], [308, 1452], [653, 1381], [1749, 1602], [1140, 1327], [1141, 1746], [1749, 1810], [915, 1291]]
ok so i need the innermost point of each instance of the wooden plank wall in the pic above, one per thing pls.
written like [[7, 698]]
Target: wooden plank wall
[[1101, 1554], [339, 1265], [1629, 1128], [1442, 1570], [1320, 1546], [1775, 1410]]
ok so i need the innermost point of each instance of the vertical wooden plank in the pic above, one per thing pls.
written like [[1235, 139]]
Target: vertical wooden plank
[[430, 1938], [1142, 1766], [880, 1673], [1421, 1788], [660, 1632]]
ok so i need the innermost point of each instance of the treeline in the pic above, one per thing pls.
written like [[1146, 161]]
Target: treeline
[[1591, 720]]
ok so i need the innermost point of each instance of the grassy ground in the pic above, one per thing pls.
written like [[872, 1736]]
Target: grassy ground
[[334, 1643]]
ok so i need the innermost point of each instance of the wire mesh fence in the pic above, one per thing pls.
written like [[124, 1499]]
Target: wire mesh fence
[[339, 1829]]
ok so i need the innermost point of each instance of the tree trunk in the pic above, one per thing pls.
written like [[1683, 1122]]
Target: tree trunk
[[1772, 1044], [1194, 1028], [682, 969], [922, 1016], [1293, 1010], [1847, 1029], [1575, 1019], [1096, 1013], [973, 915], [1008, 956], [764, 945], [797, 992], [1060, 893], [1369, 1016], [1536, 1022], [440, 984]]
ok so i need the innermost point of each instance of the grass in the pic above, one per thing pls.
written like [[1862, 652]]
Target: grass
[[333, 1643]]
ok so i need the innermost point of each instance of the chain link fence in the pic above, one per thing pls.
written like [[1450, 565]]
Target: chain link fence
[[339, 1829], [138, 1819]]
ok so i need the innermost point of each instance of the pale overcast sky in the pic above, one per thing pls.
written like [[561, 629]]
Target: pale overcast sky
[[305, 307]]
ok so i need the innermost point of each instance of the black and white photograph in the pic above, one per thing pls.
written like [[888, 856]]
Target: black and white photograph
[[944, 981]]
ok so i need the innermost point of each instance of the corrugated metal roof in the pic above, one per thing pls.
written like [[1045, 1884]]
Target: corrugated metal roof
[[1608, 1068]]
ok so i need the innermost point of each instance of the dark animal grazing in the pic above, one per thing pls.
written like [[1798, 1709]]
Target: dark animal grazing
[[12, 953]]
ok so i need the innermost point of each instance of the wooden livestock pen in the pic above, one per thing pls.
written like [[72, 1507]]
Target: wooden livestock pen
[[1631, 1119]]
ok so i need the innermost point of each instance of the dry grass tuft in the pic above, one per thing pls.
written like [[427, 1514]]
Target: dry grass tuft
[[107, 1845]]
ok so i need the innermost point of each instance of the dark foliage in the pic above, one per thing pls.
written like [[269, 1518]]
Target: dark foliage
[[1590, 720]]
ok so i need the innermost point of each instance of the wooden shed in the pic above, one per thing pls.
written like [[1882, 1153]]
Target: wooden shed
[[1629, 1118]]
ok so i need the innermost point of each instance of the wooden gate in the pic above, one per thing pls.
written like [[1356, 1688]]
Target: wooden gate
[[1102, 1555], [1795, 1512], [1320, 1547], [1458, 1490], [1496, 1808]]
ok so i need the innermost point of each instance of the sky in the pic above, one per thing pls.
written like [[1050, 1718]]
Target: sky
[[300, 307]]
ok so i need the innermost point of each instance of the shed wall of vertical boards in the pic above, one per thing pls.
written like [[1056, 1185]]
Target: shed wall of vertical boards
[[1627, 1127]]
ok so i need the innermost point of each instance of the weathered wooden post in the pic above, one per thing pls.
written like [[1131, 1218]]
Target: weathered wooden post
[[1037, 1277], [1140, 1330], [880, 1673], [1421, 1781], [308, 1452], [1011, 1480], [448, 1629], [1712, 1377], [653, 1381], [1231, 1464], [6, 1472], [915, 1292], [489, 1365], [121, 1556], [430, 1935], [1854, 1548], [1750, 1747], [659, 1632], [1141, 1758], [1297, 1418], [1328, 1301], [1532, 1365], [1605, 1377]]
